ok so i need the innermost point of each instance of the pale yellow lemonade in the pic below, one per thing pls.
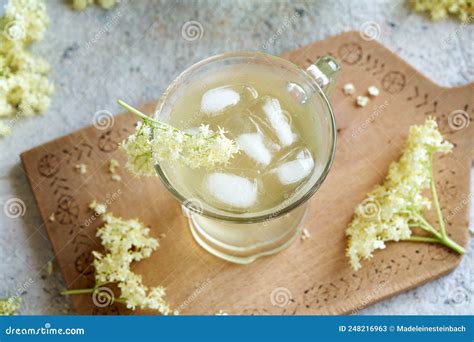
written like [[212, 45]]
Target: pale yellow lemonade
[[274, 125]]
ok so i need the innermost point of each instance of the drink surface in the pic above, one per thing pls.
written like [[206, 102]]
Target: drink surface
[[272, 121]]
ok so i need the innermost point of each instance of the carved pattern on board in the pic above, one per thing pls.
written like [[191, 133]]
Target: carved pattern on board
[[394, 82], [67, 210], [350, 53], [421, 100], [109, 140], [48, 165]]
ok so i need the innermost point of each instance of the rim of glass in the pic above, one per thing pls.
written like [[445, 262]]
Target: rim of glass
[[275, 213]]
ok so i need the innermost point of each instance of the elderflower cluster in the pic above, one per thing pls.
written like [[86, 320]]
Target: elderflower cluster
[[79, 5], [440, 9], [24, 87], [149, 146], [392, 208], [10, 306], [126, 242]]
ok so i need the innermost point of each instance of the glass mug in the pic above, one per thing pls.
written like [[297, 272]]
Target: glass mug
[[242, 236]]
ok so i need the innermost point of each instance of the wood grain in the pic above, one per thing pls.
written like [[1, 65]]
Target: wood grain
[[314, 274]]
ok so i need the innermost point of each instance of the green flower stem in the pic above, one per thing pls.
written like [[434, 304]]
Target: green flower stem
[[445, 240], [415, 238], [79, 291], [442, 241], [453, 245], [159, 124], [423, 224], [436, 202], [137, 112], [147, 119], [438, 237], [82, 291]]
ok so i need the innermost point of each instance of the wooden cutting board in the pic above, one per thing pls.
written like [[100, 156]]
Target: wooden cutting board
[[310, 277]]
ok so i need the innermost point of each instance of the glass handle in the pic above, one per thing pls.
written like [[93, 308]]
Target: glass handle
[[325, 71]]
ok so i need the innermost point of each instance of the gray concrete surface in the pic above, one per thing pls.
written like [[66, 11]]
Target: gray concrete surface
[[135, 50]]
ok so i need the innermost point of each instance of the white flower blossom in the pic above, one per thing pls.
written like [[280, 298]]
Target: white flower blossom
[[10, 306], [79, 5], [30, 18], [221, 313], [440, 9], [139, 151], [24, 87], [99, 208], [4, 129], [126, 241], [113, 165], [155, 141], [393, 208]]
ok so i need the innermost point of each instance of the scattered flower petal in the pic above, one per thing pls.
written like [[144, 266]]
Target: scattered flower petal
[[305, 234], [362, 101], [99, 208], [349, 89], [373, 91], [81, 168]]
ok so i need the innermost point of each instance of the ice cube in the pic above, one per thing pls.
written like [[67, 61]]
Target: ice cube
[[295, 170], [233, 190], [216, 100], [254, 146], [253, 135], [279, 120]]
